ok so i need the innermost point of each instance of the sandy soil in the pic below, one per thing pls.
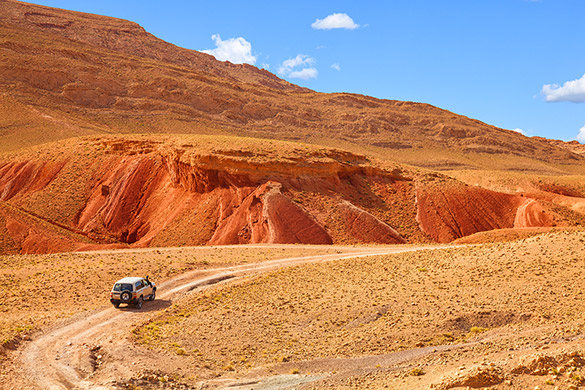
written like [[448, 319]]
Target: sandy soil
[[66, 355], [59, 282], [498, 316], [471, 316]]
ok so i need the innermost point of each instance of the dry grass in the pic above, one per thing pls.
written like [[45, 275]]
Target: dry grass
[[377, 305], [37, 290]]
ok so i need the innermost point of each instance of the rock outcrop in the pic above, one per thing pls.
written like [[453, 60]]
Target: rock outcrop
[[164, 191]]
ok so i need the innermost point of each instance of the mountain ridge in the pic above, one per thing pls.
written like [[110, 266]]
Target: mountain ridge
[[105, 75]]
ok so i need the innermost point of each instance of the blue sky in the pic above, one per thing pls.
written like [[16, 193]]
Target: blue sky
[[516, 64]]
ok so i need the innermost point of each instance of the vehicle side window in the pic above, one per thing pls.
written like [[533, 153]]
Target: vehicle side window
[[138, 285]]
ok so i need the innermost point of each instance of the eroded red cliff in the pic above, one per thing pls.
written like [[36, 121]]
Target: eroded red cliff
[[164, 192]]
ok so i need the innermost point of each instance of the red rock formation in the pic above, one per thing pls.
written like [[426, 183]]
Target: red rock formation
[[532, 214], [26, 176], [450, 210], [160, 192], [23, 233], [365, 227]]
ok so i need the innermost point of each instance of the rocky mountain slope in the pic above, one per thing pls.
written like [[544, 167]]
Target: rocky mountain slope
[[341, 177], [119, 191], [64, 74]]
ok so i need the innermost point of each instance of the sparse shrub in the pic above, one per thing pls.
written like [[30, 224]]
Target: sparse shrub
[[417, 371], [577, 378], [448, 337], [228, 367], [477, 330], [294, 371]]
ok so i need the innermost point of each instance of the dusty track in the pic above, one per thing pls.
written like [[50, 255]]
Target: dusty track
[[64, 357]]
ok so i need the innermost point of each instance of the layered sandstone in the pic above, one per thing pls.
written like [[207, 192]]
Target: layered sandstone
[[174, 191]]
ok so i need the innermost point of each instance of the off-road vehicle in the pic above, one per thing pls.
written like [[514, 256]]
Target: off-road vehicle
[[132, 291]]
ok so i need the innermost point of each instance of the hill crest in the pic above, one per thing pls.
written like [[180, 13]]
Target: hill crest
[[83, 74]]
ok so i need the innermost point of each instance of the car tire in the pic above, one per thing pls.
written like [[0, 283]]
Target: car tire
[[139, 303], [153, 295], [125, 296], [117, 305]]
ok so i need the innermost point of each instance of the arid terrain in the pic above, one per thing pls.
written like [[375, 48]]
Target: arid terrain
[[299, 239]]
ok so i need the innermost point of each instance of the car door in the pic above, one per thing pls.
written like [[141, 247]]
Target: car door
[[139, 289], [147, 289]]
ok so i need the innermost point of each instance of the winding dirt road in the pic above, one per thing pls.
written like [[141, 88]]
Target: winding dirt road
[[67, 356]]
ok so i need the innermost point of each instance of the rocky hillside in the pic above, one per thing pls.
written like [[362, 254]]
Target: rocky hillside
[[119, 191], [66, 74], [147, 154]]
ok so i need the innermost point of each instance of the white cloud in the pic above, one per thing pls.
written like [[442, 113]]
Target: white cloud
[[290, 67], [266, 66], [234, 50], [581, 135], [571, 91], [335, 21], [336, 67], [300, 60], [519, 131], [305, 74]]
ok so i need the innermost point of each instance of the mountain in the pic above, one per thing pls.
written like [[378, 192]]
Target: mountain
[[66, 74], [111, 137]]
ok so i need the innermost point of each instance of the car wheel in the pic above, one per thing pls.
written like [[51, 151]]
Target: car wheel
[[139, 303], [153, 295], [116, 305], [125, 296]]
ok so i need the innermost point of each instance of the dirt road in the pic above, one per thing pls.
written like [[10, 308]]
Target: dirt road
[[68, 356]]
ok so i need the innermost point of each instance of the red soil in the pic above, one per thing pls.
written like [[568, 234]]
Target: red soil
[[266, 215], [146, 192], [26, 176], [532, 214], [22, 233], [448, 210], [365, 227], [143, 192]]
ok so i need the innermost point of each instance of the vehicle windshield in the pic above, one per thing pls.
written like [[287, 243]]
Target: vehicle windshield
[[122, 287]]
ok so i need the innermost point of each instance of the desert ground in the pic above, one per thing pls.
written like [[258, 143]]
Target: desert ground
[[298, 239], [502, 315]]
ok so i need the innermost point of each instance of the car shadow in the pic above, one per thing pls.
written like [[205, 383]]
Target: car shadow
[[157, 304]]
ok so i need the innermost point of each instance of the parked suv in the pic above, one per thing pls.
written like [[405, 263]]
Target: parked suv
[[132, 291]]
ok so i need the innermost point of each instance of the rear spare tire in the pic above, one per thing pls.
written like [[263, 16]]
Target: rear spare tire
[[125, 296]]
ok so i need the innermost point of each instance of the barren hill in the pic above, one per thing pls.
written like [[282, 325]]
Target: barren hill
[[65, 74], [176, 190], [148, 156]]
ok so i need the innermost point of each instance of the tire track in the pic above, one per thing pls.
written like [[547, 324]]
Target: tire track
[[57, 359]]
